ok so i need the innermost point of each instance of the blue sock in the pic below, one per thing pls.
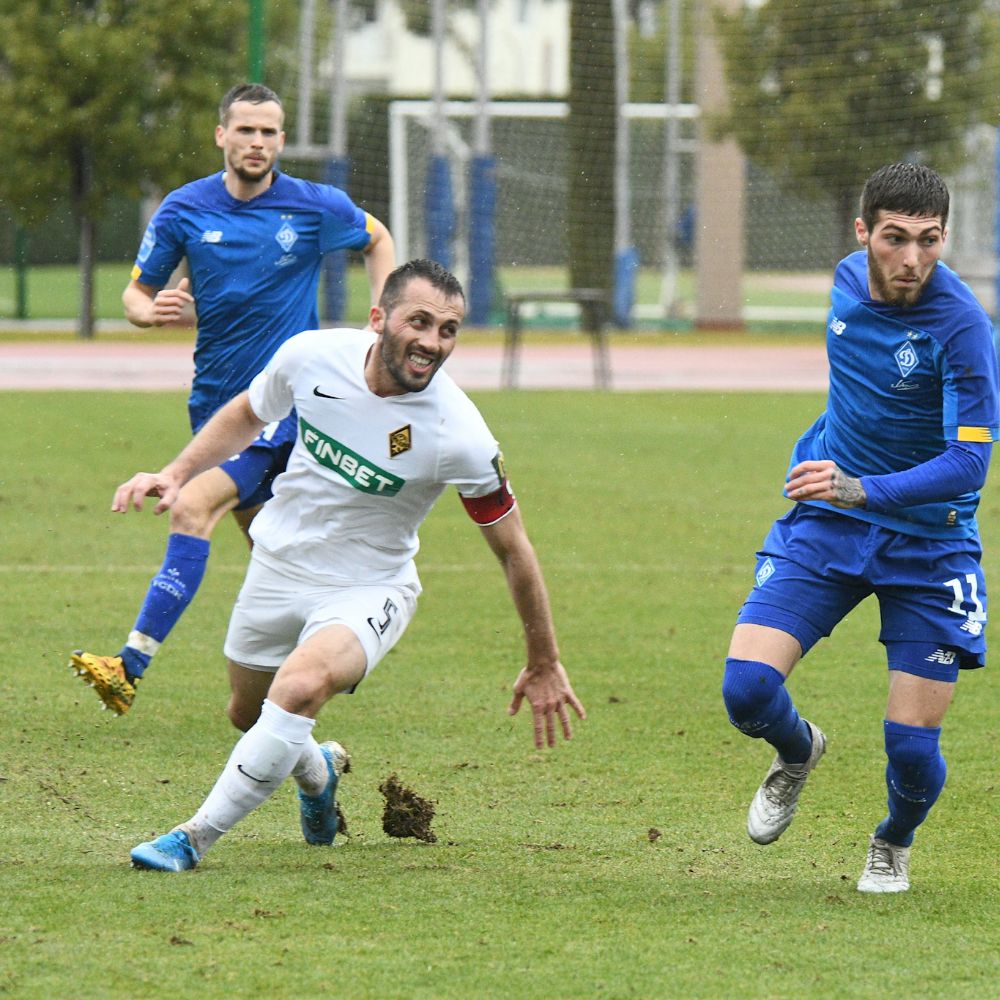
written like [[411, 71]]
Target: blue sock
[[760, 706], [914, 776], [170, 592]]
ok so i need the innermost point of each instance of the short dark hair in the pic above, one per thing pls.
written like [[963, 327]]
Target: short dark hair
[[910, 188], [255, 93], [437, 274]]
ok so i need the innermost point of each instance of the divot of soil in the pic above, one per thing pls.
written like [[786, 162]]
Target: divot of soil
[[406, 814]]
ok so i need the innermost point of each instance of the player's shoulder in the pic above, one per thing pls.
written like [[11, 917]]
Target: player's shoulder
[[201, 193], [309, 194]]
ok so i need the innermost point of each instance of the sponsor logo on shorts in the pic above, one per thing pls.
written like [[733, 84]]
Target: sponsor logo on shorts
[[972, 626], [399, 441], [765, 572], [946, 657], [361, 473]]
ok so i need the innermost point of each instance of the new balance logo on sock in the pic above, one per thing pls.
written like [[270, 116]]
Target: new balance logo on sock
[[943, 656]]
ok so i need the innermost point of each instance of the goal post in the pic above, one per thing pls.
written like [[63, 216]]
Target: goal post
[[510, 207]]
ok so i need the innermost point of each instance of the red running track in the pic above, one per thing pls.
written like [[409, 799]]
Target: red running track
[[634, 368]]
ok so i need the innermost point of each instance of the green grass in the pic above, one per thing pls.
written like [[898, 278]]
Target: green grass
[[546, 880], [53, 292]]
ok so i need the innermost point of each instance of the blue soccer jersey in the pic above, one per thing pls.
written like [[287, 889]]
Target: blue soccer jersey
[[254, 268], [903, 383]]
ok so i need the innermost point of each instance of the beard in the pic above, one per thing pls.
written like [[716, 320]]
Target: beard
[[894, 296], [396, 367]]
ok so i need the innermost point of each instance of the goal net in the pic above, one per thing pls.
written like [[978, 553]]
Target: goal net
[[529, 147]]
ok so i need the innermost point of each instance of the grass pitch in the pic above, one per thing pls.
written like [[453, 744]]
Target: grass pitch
[[613, 866]]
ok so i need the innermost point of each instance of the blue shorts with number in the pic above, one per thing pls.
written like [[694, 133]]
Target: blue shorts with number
[[254, 469], [815, 566]]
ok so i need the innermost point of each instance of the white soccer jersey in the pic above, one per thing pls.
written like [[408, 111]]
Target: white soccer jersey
[[365, 470]]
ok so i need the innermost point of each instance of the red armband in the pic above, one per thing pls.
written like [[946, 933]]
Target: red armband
[[492, 507]]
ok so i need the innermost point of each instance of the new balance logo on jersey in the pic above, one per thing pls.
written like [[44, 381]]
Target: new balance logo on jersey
[[838, 326], [211, 236], [946, 657], [358, 471]]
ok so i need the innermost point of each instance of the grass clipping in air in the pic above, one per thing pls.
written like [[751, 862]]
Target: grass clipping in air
[[406, 814]]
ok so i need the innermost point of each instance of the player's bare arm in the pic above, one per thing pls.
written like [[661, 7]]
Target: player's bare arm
[[229, 431], [824, 480], [380, 258], [543, 681], [147, 306]]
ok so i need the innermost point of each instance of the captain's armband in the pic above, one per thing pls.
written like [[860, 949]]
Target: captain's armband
[[492, 507]]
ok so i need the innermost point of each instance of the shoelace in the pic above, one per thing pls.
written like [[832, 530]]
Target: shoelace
[[881, 860]]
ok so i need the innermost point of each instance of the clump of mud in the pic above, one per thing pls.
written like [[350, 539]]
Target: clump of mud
[[406, 814]]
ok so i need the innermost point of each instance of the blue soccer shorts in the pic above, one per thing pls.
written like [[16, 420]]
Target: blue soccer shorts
[[815, 566], [255, 468]]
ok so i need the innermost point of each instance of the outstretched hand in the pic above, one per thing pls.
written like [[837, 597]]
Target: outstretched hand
[[548, 692], [146, 484]]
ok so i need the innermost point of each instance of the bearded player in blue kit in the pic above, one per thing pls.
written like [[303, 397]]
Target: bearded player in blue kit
[[254, 239], [886, 484]]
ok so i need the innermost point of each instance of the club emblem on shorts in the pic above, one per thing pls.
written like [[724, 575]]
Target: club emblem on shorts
[[400, 441], [906, 358], [765, 572]]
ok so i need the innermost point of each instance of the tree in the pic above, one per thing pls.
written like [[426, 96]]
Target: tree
[[108, 96], [591, 126], [823, 94]]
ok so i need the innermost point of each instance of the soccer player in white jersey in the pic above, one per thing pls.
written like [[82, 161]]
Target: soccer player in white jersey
[[886, 484], [332, 584], [254, 239]]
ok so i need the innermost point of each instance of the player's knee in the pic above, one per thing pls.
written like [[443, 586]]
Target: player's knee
[[914, 753], [191, 515], [748, 688], [242, 715]]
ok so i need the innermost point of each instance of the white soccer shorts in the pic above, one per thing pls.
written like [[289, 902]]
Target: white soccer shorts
[[274, 613]]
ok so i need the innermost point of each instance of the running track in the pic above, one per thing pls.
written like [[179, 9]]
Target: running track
[[634, 368]]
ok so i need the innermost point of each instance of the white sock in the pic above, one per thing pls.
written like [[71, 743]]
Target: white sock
[[310, 772], [259, 763]]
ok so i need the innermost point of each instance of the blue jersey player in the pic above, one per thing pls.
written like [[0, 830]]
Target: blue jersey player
[[886, 484], [253, 239]]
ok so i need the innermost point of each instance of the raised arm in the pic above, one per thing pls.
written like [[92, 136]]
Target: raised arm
[[543, 681], [229, 431], [380, 258]]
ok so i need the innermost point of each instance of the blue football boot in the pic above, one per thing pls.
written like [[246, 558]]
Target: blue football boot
[[319, 815], [170, 853]]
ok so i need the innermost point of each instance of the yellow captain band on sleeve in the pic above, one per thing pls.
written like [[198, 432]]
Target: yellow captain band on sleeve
[[369, 224], [984, 434], [136, 272]]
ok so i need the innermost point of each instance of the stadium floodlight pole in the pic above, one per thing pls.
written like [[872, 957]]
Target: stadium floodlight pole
[[671, 161], [626, 257], [255, 48], [439, 210], [482, 188], [338, 165]]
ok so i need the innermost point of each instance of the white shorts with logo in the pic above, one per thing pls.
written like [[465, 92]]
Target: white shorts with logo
[[275, 612]]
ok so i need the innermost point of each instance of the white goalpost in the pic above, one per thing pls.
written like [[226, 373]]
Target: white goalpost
[[529, 147]]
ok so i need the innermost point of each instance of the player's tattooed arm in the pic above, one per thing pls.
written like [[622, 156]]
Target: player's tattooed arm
[[824, 480]]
